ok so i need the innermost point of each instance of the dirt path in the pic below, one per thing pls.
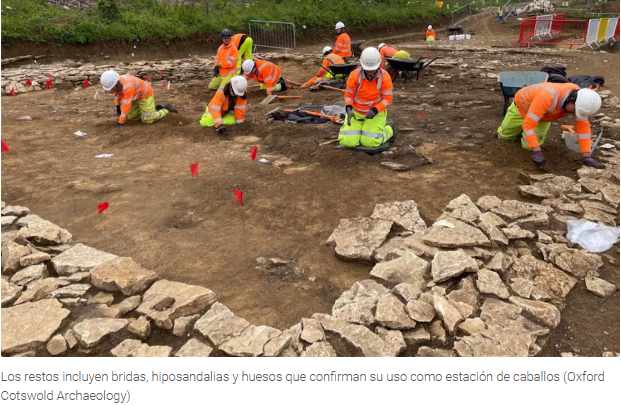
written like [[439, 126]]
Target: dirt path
[[190, 229]]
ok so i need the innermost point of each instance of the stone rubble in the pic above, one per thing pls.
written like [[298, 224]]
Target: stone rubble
[[472, 284]]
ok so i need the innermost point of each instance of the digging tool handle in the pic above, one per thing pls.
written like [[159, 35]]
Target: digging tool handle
[[332, 88], [323, 67], [289, 97], [292, 82]]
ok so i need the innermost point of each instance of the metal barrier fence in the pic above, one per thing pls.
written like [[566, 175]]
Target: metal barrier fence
[[555, 31], [272, 34], [601, 31]]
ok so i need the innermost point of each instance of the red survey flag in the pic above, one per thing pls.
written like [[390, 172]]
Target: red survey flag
[[194, 169], [5, 148], [49, 75], [148, 78], [101, 207], [162, 74], [422, 113], [28, 82], [240, 196], [48, 84], [253, 154], [164, 85], [12, 92], [86, 83]]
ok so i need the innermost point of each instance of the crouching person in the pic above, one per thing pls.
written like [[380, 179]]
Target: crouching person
[[228, 106], [368, 94], [133, 98]]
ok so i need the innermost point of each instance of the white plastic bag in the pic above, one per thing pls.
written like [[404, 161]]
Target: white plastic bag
[[591, 236]]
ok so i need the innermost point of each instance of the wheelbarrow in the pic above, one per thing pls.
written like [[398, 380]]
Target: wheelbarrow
[[409, 65], [355, 48], [341, 73], [511, 82]]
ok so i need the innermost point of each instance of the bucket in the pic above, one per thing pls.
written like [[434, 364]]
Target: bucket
[[459, 37], [468, 36], [451, 37], [571, 141]]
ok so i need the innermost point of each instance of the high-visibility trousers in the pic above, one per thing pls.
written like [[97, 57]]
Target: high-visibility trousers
[[431, 38], [245, 53], [218, 81], [207, 119], [401, 55], [144, 109], [366, 132], [511, 127]]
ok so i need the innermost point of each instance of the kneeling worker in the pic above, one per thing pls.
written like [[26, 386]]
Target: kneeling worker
[[368, 94], [133, 98], [430, 35], [267, 74], [329, 59], [536, 106], [228, 106]]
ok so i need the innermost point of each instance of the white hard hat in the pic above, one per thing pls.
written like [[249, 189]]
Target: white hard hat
[[380, 45], [339, 25], [327, 49], [429, 27], [247, 66], [370, 58], [588, 103], [239, 85], [109, 79]]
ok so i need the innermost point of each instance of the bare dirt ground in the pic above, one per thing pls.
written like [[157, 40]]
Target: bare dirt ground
[[190, 229]]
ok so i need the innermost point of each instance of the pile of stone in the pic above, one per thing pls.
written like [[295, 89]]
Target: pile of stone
[[472, 283], [72, 73]]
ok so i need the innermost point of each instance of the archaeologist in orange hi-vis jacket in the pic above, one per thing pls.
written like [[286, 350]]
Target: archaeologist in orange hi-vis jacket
[[329, 59], [368, 95], [228, 106], [430, 35], [225, 66], [343, 43], [390, 52], [133, 98], [267, 74], [536, 106]]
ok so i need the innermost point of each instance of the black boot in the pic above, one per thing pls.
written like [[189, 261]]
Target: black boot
[[170, 108], [392, 125]]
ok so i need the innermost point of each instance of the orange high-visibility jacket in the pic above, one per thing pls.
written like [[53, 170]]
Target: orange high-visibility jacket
[[330, 59], [363, 94], [238, 40], [387, 52], [268, 73], [544, 102], [133, 89], [226, 58], [343, 46], [430, 33], [223, 102]]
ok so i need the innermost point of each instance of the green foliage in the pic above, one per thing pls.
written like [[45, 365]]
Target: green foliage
[[108, 11], [37, 21]]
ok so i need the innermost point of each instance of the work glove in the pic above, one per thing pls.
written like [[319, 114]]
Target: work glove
[[118, 110], [371, 113], [118, 125], [349, 114], [222, 129], [538, 159], [592, 163], [216, 70]]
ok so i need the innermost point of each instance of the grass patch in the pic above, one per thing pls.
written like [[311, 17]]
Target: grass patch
[[37, 21]]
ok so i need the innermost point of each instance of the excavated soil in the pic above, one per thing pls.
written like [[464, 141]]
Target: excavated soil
[[192, 230]]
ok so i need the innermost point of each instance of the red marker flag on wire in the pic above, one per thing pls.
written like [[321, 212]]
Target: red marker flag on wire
[[12, 92], [194, 169], [422, 113], [253, 154], [5, 148], [240, 196], [164, 85], [162, 74], [148, 78], [86, 83], [101, 207], [28, 82], [48, 84]]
